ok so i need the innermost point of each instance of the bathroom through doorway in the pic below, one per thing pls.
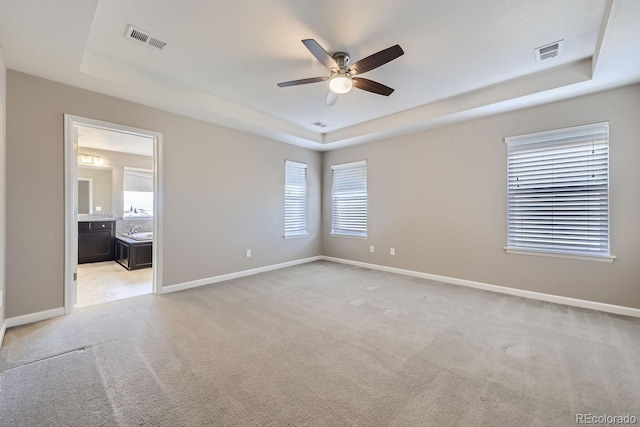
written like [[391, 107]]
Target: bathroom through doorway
[[112, 213]]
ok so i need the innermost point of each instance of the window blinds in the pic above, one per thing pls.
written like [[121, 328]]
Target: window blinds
[[349, 199], [558, 190], [137, 180], [138, 193], [295, 198]]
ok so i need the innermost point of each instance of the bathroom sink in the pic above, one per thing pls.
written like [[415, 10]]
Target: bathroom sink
[[140, 236]]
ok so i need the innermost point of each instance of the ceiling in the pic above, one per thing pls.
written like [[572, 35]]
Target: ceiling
[[463, 59], [109, 140]]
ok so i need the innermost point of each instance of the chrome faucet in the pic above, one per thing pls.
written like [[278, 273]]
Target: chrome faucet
[[135, 229]]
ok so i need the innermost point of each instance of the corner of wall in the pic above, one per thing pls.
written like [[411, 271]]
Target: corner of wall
[[323, 157], [3, 327], [3, 198]]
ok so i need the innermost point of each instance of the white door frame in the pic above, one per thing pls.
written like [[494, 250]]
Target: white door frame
[[71, 201]]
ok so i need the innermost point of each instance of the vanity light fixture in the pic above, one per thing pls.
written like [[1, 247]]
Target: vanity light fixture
[[90, 159]]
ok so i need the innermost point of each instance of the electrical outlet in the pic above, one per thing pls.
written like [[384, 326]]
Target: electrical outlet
[[248, 253], [98, 208], [392, 251], [372, 249], [0, 298]]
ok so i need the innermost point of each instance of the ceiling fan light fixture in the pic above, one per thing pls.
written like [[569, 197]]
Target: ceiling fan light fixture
[[340, 79], [340, 83]]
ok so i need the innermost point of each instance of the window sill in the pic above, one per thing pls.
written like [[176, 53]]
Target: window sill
[[295, 236], [351, 236], [580, 257]]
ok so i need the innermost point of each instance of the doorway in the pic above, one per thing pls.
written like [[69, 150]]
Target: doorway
[[113, 242]]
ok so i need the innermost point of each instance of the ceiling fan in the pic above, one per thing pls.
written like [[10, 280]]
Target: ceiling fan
[[343, 77]]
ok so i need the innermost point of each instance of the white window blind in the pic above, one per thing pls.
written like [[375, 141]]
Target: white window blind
[[138, 193], [349, 199], [558, 191], [138, 180], [295, 198]]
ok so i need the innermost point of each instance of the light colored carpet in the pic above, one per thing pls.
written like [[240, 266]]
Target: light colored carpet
[[321, 344]]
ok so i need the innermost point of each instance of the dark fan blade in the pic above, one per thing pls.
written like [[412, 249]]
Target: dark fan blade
[[320, 54], [331, 99], [371, 86], [303, 81], [376, 60]]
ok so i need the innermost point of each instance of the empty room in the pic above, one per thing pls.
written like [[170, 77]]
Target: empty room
[[365, 213]]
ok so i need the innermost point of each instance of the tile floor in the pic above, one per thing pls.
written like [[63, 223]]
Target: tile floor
[[100, 282]]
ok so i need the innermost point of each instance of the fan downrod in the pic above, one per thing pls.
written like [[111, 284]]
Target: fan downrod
[[342, 59]]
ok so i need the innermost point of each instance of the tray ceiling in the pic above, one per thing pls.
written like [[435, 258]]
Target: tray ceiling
[[223, 59]]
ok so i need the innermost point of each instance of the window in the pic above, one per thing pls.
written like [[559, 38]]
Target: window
[[349, 199], [558, 191], [295, 199], [138, 193]]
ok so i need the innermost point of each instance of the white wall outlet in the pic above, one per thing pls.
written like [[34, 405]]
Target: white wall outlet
[[98, 208], [0, 298], [392, 251], [372, 249], [248, 253]]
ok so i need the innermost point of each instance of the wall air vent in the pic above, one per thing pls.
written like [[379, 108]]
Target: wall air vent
[[144, 37], [319, 124], [549, 51]]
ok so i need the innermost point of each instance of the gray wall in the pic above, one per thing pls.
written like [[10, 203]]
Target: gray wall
[[3, 145], [439, 198], [223, 192]]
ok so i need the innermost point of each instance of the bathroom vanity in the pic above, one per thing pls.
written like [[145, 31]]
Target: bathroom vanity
[[133, 254], [95, 240]]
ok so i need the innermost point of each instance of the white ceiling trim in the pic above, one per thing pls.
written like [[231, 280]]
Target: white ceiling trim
[[606, 18]]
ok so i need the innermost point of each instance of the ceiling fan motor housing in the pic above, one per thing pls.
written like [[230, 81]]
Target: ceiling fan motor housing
[[340, 81]]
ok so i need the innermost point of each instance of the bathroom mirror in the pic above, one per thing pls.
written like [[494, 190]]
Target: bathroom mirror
[[95, 192], [85, 196]]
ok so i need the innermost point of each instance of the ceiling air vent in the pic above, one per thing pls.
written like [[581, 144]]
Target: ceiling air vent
[[548, 51], [319, 124], [144, 37]]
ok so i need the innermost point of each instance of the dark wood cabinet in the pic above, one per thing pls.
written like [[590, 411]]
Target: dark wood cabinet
[[95, 241], [133, 255], [122, 253]]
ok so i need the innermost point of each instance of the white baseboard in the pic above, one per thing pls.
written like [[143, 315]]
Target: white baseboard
[[593, 305], [224, 277], [34, 317]]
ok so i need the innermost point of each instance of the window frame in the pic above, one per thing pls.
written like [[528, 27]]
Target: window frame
[[339, 231], [543, 143], [300, 232]]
